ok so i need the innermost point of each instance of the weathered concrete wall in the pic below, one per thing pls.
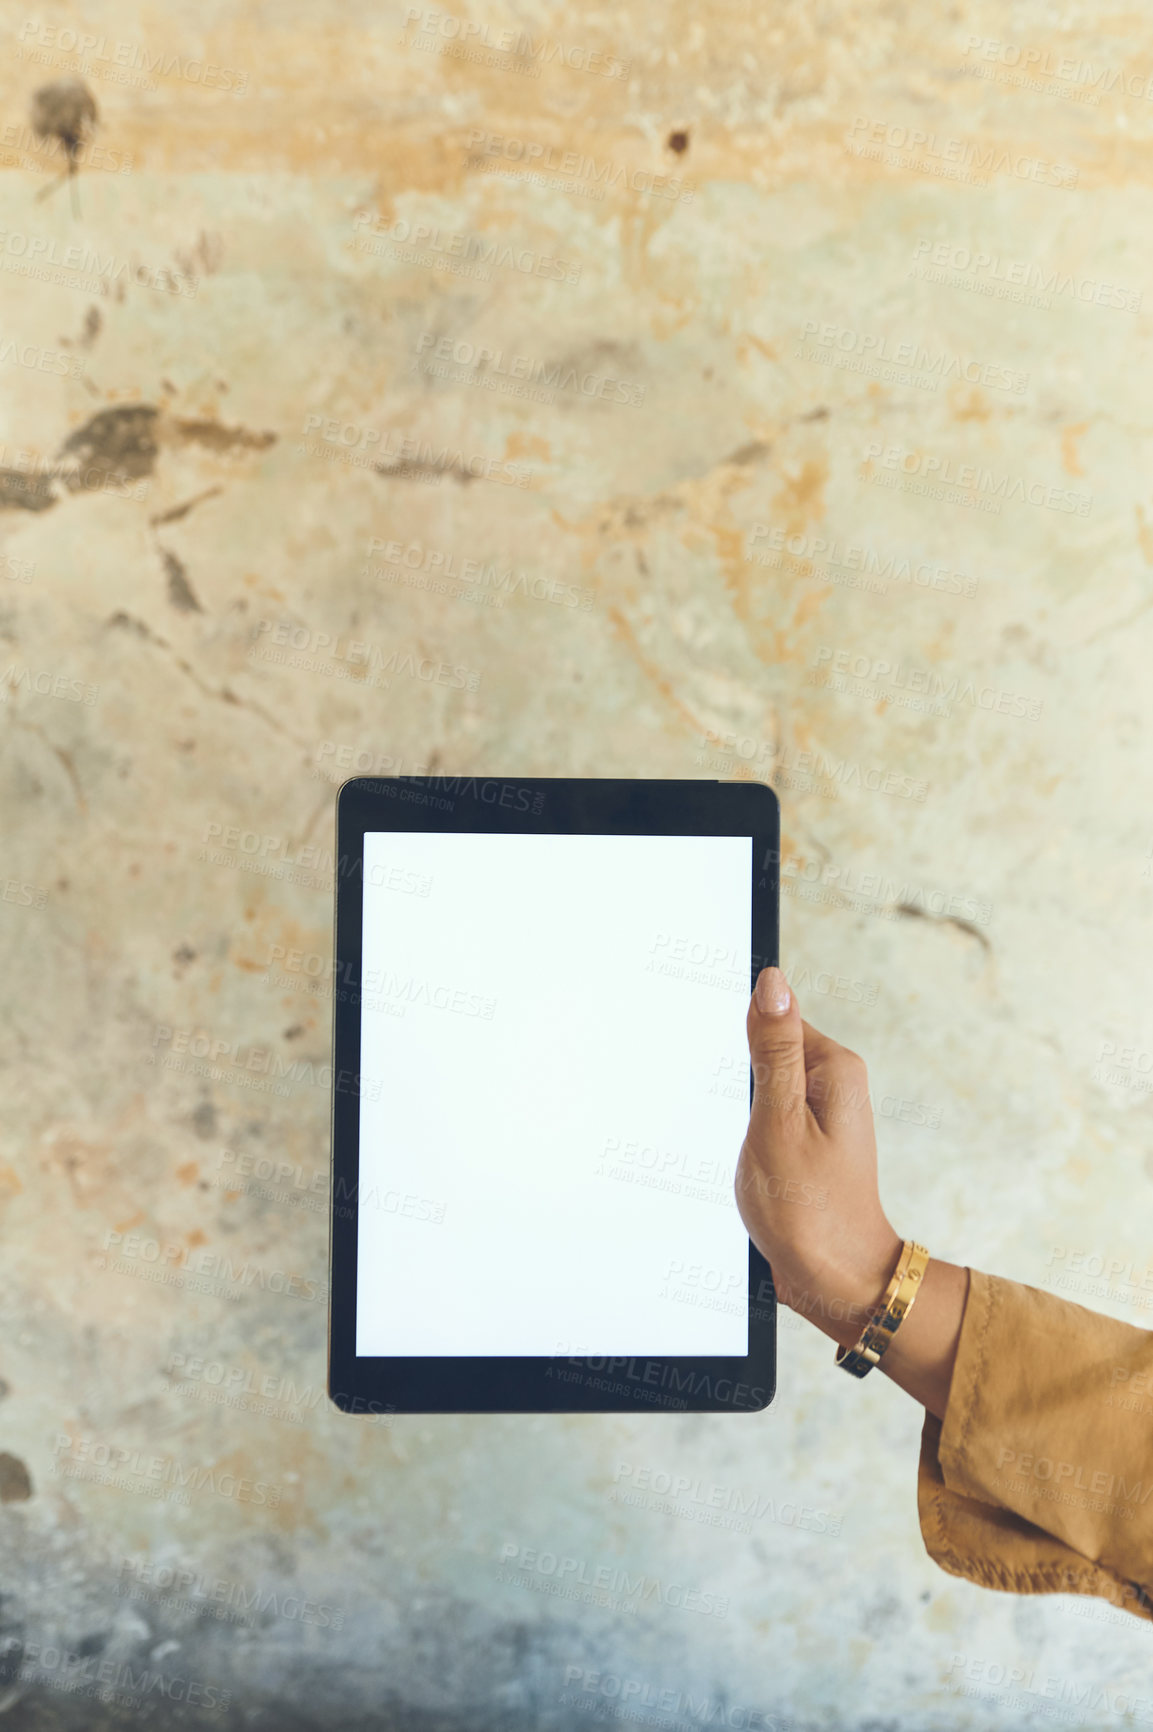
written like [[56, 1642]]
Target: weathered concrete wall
[[830, 280]]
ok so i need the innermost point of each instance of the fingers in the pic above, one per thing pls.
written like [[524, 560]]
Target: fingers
[[838, 1088]]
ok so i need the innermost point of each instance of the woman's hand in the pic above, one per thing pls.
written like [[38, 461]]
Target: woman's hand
[[807, 1179], [807, 1192]]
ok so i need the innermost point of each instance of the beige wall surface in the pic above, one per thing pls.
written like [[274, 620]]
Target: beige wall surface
[[622, 391]]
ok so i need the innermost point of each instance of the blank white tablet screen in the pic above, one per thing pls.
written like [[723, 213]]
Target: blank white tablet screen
[[554, 1094]]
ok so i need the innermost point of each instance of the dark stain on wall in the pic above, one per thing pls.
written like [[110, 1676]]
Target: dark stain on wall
[[15, 1480], [115, 445]]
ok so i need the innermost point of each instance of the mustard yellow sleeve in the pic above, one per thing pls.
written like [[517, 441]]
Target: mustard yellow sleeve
[[1039, 1480]]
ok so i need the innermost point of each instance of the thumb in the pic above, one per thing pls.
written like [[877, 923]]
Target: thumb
[[777, 1050]]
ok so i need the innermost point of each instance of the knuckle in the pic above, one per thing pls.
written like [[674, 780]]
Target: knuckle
[[779, 1114]]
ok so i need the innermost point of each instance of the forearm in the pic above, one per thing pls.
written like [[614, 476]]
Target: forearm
[[1036, 1478], [921, 1355]]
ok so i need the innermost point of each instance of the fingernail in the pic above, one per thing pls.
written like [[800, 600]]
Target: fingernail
[[772, 994]]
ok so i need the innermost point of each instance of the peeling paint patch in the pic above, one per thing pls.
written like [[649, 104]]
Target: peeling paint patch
[[215, 436], [180, 592], [911, 910], [65, 110], [128, 622], [15, 1480], [204, 1120], [750, 453], [115, 445], [176, 512], [801, 498]]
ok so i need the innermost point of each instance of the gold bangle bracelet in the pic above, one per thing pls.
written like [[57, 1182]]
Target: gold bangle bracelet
[[898, 1301]]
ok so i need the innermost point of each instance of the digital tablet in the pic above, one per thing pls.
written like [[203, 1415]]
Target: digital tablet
[[541, 1084]]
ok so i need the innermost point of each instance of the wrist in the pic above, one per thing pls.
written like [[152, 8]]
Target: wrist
[[841, 1299]]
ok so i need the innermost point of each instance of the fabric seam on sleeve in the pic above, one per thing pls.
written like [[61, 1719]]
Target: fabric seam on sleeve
[[1050, 1578], [986, 1298]]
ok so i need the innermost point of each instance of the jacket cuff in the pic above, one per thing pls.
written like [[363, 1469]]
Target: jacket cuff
[[995, 1548], [1013, 1484]]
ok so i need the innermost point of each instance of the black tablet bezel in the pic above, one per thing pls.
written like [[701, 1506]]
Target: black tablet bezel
[[535, 806]]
